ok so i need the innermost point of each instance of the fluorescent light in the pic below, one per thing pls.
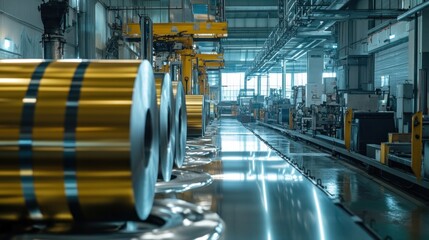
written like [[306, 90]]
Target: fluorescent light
[[7, 43], [392, 36]]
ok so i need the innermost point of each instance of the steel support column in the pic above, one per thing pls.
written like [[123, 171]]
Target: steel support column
[[283, 78]]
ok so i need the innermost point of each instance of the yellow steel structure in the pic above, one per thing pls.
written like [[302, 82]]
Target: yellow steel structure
[[204, 30], [399, 137], [202, 80], [187, 57], [185, 33], [214, 65], [187, 41], [417, 144], [348, 128], [210, 57], [384, 152], [215, 61]]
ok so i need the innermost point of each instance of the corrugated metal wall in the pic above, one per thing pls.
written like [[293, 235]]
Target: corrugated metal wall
[[392, 62], [22, 28]]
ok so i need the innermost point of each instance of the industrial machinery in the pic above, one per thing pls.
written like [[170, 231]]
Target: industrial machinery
[[326, 119], [245, 103], [300, 113], [53, 14], [175, 42], [370, 128], [276, 108]]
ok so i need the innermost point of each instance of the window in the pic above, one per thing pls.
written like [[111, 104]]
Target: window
[[233, 82], [253, 84], [231, 85], [300, 79]]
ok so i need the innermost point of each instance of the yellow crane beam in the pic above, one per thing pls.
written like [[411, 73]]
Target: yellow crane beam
[[214, 65], [210, 57], [204, 30]]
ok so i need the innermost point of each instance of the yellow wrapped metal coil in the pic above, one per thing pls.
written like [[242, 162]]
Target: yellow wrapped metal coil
[[77, 140], [196, 115], [167, 124], [181, 119]]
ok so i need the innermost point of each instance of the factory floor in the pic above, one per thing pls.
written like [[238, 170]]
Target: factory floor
[[387, 210], [259, 195]]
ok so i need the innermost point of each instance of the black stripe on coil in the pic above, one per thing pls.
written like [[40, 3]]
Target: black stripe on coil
[[26, 142], [70, 124]]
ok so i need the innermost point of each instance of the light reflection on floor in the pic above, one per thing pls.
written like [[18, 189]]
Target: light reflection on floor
[[261, 196], [389, 213]]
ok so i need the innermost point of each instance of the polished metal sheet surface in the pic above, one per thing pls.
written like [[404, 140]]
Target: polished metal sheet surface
[[167, 126], [169, 219], [181, 121], [392, 214], [192, 161], [183, 180], [261, 196]]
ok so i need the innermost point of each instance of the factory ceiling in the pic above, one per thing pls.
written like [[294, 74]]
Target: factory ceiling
[[259, 36]]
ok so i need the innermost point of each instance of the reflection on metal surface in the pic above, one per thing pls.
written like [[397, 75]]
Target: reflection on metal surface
[[167, 126], [199, 152], [184, 180], [181, 120], [261, 196], [199, 141], [77, 140], [194, 161], [201, 148], [391, 214], [169, 219], [206, 147], [196, 116]]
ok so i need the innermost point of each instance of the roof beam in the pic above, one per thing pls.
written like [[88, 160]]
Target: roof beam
[[250, 8]]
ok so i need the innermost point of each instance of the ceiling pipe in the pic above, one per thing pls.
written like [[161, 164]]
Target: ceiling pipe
[[413, 11]]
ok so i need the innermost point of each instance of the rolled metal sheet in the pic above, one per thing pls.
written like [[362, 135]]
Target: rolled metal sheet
[[77, 140], [181, 121], [167, 126], [196, 115]]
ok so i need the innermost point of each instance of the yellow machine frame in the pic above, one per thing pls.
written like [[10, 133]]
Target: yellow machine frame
[[417, 144], [348, 128]]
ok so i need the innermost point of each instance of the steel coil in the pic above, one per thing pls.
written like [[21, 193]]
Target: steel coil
[[167, 126], [196, 115], [77, 140], [180, 120]]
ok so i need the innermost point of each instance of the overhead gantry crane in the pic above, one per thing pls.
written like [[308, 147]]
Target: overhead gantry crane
[[175, 43]]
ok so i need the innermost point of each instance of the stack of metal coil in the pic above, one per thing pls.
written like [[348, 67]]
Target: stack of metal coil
[[79, 140], [181, 120], [196, 115], [87, 140]]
